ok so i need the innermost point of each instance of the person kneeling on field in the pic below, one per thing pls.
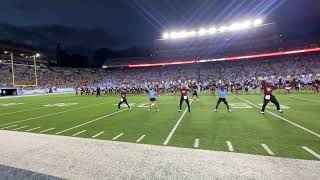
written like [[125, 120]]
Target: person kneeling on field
[[268, 88], [153, 98], [222, 98], [123, 98]]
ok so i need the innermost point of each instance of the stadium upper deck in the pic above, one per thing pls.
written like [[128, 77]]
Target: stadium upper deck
[[21, 54]]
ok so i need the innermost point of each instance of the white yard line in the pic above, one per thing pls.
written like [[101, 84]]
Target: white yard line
[[265, 147], [88, 122], [9, 126], [196, 143], [47, 130], [98, 134], [79, 133], [311, 152], [140, 138], [304, 99], [20, 128], [52, 114], [32, 129], [94, 120], [22, 111], [230, 147], [117, 136], [176, 125], [284, 119]]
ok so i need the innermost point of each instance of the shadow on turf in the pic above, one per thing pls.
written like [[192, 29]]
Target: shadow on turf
[[11, 173]]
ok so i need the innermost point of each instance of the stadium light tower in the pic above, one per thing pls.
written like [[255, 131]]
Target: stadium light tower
[[166, 35], [223, 29], [202, 31], [212, 30], [236, 26], [37, 55], [257, 22]]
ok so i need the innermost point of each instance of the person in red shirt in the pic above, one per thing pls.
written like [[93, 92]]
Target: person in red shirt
[[123, 97], [184, 97], [267, 89]]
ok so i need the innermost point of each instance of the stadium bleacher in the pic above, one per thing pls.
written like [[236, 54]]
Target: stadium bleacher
[[305, 68]]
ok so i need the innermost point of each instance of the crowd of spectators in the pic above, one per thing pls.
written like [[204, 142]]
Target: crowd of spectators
[[302, 69]]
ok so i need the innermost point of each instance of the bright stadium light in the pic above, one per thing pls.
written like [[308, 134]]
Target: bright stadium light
[[182, 34], [236, 26], [212, 30], [257, 22], [192, 33], [202, 31], [246, 24], [223, 29], [166, 35], [173, 35], [37, 55]]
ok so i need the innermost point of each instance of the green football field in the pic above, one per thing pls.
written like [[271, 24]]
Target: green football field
[[292, 134]]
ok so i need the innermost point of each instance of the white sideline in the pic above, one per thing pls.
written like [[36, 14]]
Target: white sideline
[[284, 119], [79, 133], [9, 127], [304, 99], [94, 120], [230, 147], [32, 129], [140, 138], [20, 128], [196, 143], [22, 111], [311, 152], [117, 136], [47, 130], [176, 126], [47, 115], [265, 147], [98, 134]]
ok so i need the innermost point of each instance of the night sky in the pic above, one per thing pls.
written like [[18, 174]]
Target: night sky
[[142, 21]]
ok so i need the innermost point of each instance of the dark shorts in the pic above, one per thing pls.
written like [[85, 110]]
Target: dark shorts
[[123, 99], [152, 99], [195, 93]]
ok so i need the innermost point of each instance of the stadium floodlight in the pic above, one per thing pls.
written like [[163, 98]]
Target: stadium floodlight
[[166, 35], [6, 52], [202, 31], [257, 22], [173, 35], [236, 26], [223, 29], [246, 24], [182, 34], [192, 33], [37, 55], [212, 30]]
